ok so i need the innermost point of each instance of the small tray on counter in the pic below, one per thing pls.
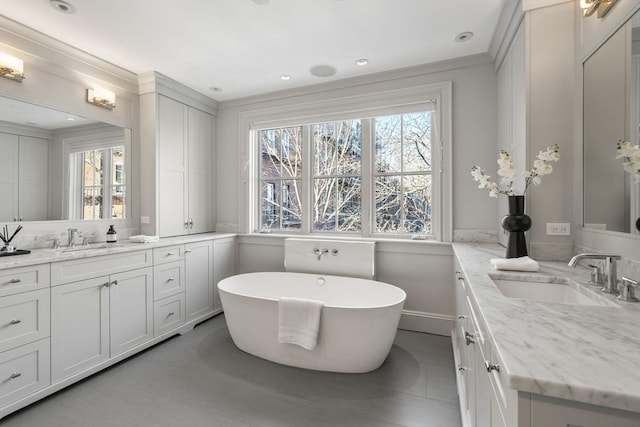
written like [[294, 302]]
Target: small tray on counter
[[16, 252]]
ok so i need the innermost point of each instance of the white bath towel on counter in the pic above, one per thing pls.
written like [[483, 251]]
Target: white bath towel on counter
[[141, 238], [299, 321], [515, 264]]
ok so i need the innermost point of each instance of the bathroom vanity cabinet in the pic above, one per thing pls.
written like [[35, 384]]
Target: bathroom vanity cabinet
[[72, 314], [492, 335]]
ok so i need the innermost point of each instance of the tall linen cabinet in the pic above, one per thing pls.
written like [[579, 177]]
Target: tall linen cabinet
[[177, 158]]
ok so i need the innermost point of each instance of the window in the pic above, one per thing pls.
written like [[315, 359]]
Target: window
[[364, 176], [377, 164]]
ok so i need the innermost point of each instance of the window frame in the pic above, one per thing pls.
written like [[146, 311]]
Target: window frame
[[372, 104]]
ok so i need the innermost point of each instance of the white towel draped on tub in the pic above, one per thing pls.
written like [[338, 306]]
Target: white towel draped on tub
[[299, 321]]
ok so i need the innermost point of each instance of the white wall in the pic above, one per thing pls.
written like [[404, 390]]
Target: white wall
[[474, 132]]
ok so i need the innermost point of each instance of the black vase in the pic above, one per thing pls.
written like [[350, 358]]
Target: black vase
[[516, 223]]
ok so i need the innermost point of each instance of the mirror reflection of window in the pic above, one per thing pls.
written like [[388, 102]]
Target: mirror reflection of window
[[97, 187]]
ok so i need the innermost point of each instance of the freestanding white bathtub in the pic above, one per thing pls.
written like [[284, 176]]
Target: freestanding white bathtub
[[357, 326]]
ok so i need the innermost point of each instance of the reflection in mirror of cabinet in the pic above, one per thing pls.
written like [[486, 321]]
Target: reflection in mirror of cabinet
[[611, 100]]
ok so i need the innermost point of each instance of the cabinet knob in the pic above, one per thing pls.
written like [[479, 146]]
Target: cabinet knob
[[170, 279], [15, 281], [106, 285], [15, 321], [188, 251], [170, 314], [462, 316], [115, 282], [491, 366], [461, 368], [15, 375], [171, 253]]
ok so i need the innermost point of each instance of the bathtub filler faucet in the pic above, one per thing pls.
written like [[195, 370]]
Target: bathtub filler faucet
[[610, 270], [317, 252]]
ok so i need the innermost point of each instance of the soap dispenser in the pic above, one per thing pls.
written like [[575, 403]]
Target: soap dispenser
[[112, 236]]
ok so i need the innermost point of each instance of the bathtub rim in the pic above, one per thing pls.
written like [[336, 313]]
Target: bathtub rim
[[345, 307]]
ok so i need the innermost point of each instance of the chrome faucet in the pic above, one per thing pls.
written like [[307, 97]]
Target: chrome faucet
[[610, 269]]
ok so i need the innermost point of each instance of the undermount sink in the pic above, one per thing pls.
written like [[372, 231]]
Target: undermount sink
[[557, 290], [88, 247]]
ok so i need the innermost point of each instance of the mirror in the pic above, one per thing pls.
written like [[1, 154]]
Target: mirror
[[611, 111], [60, 166]]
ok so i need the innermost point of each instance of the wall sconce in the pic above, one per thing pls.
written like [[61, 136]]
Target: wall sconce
[[602, 6], [102, 98], [11, 67]]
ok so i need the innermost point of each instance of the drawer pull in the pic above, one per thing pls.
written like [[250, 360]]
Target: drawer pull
[[462, 316], [171, 253], [15, 375], [491, 366], [106, 285], [15, 281], [170, 314], [469, 338], [115, 282], [188, 251], [170, 279], [461, 368], [15, 321]]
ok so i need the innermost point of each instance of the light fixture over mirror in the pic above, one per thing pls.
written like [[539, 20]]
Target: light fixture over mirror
[[602, 6], [11, 67], [102, 98]]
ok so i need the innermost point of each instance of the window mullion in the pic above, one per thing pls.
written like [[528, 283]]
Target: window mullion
[[307, 180], [367, 177]]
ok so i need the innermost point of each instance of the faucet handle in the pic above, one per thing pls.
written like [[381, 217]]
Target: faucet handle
[[627, 291], [597, 277]]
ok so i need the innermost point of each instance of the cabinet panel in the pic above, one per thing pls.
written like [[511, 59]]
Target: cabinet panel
[[550, 412], [131, 309], [168, 254], [199, 279], [22, 279], [168, 280], [24, 370], [79, 326], [200, 172], [24, 318], [70, 271], [224, 265]]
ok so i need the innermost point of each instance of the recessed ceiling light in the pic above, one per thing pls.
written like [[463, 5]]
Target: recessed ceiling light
[[62, 6], [362, 62], [70, 119], [323, 70], [285, 77], [463, 37], [215, 89]]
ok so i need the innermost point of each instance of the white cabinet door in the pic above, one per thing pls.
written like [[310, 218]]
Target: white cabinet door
[[79, 326], [224, 265], [131, 309], [199, 279], [9, 177], [200, 171], [173, 118], [33, 179]]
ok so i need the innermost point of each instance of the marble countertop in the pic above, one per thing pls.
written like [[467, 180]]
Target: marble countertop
[[43, 256], [589, 354]]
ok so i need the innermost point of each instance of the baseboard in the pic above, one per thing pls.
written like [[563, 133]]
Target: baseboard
[[431, 323]]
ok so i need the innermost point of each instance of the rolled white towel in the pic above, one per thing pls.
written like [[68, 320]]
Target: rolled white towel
[[515, 264], [141, 238], [299, 321]]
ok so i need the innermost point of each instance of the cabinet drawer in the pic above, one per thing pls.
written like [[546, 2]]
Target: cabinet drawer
[[24, 370], [24, 318], [168, 279], [168, 254], [90, 267], [22, 279], [168, 314]]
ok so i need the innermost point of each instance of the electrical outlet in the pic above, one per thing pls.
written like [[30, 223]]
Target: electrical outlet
[[145, 220], [558, 229]]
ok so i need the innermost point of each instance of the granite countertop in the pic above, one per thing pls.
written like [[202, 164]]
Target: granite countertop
[[589, 354], [43, 256]]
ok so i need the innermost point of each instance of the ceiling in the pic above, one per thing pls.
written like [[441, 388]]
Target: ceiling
[[243, 47]]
